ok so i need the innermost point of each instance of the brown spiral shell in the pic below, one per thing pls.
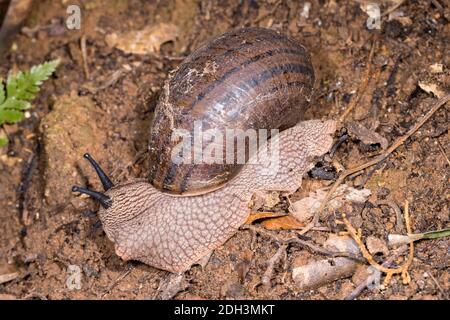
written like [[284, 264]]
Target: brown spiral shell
[[250, 78]]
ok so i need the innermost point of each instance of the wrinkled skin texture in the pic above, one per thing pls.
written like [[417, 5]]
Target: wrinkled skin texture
[[173, 232]]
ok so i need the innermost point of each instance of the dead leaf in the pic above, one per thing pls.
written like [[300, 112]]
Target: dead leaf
[[305, 208], [254, 216], [431, 88], [147, 40], [367, 136], [282, 223]]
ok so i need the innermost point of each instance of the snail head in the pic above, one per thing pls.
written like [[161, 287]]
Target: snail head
[[103, 198], [120, 202]]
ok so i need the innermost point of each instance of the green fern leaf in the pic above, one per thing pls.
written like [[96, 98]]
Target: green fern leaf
[[21, 88], [10, 116], [14, 104], [24, 85]]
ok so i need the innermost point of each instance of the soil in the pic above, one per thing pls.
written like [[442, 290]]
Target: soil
[[45, 229]]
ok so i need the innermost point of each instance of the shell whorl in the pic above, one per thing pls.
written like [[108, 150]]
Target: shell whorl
[[251, 78]]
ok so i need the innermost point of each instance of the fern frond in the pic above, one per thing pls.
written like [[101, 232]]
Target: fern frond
[[24, 85], [21, 88]]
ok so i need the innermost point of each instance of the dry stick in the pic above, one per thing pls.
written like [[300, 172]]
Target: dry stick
[[437, 5], [374, 161], [444, 294], [443, 151], [363, 85], [398, 213], [267, 276], [371, 173], [120, 278], [270, 13], [395, 7], [8, 277], [84, 55], [303, 243], [403, 270]]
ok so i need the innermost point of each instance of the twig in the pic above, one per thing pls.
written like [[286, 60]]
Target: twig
[[268, 14], [398, 142], [8, 277], [35, 295], [400, 226], [444, 294], [267, 276], [438, 5], [443, 151], [371, 173], [120, 278], [165, 57], [363, 85], [403, 270], [84, 56], [303, 243], [112, 79], [394, 7]]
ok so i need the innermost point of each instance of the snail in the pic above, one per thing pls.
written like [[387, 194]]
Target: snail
[[245, 79]]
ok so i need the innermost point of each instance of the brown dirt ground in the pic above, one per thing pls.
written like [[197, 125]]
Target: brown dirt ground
[[44, 228]]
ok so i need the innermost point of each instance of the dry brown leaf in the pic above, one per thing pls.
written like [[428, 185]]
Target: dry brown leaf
[[147, 40], [254, 216], [367, 136], [282, 223]]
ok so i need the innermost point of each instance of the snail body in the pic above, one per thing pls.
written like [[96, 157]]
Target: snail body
[[172, 232], [246, 79]]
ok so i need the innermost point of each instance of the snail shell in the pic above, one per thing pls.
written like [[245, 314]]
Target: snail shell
[[251, 78]]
